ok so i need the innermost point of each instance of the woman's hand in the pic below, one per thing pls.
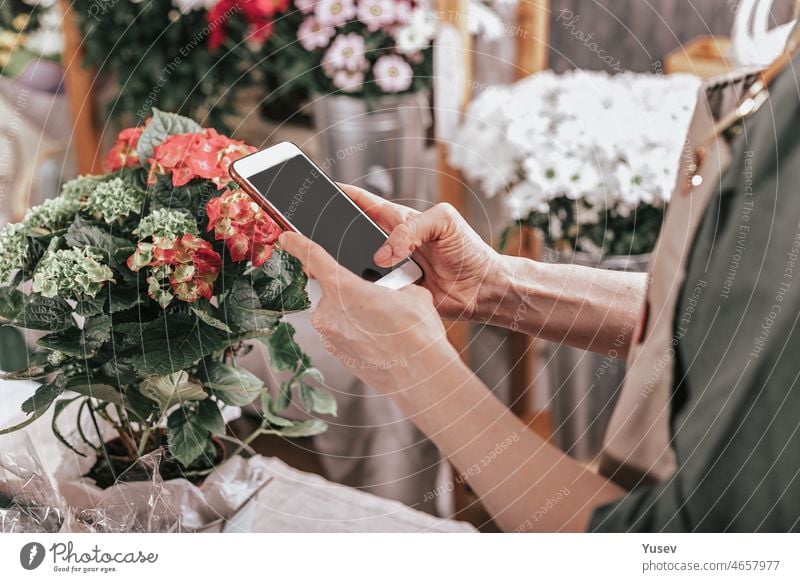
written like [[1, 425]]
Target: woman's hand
[[385, 337], [456, 262]]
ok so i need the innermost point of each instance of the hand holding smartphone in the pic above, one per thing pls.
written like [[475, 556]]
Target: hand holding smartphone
[[300, 197]]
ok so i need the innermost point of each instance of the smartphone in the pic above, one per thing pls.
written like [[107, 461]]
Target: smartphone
[[300, 197]]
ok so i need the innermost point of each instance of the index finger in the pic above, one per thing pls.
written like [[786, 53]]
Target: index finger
[[387, 214], [316, 260]]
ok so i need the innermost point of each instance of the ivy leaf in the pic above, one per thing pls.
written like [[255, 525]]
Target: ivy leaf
[[317, 399], [173, 389], [45, 314], [234, 386], [175, 342], [11, 303], [268, 412], [284, 353], [161, 125], [187, 435], [44, 396]]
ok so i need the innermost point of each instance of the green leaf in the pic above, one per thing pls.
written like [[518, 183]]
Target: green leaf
[[173, 389], [38, 367], [281, 284], [45, 314], [317, 399], [44, 396], [174, 343], [268, 412], [122, 298], [11, 302], [284, 353], [86, 387], [306, 428], [161, 125], [80, 343], [209, 315], [243, 312], [91, 306], [234, 386], [187, 436], [82, 234], [210, 417]]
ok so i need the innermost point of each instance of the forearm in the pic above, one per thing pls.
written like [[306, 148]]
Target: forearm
[[593, 309], [525, 483]]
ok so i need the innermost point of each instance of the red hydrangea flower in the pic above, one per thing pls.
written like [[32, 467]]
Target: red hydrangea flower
[[188, 263], [259, 15], [248, 232], [123, 154], [204, 155]]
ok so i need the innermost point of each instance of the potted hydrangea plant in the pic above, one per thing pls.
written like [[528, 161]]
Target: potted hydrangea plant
[[147, 282]]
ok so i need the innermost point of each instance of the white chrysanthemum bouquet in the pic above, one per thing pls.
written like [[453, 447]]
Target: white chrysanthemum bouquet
[[590, 158]]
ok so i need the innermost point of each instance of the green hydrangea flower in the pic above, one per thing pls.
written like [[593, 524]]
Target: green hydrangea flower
[[56, 358], [166, 223], [13, 248], [71, 273], [54, 214], [81, 188], [115, 200]]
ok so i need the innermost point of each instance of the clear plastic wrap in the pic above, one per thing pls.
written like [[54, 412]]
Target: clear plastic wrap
[[31, 501]]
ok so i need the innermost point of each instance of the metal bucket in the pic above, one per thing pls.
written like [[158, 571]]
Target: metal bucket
[[378, 147], [585, 385]]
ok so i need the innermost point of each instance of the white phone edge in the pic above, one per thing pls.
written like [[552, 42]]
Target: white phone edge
[[403, 276]]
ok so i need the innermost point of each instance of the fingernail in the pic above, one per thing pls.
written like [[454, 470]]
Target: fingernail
[[384, 254], [281, 237]]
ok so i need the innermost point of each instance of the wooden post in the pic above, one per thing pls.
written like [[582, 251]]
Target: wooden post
[[533, 21], [80, 81], [453, 13], [533, 38]]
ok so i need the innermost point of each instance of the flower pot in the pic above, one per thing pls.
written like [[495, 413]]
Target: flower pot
[[585, 385], [118, 467], [377, 146]]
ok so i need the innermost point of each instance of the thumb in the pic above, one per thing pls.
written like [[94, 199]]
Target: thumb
[[408, 236]]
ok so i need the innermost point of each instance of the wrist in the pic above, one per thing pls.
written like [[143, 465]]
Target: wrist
[[507, 289], [433, 372]]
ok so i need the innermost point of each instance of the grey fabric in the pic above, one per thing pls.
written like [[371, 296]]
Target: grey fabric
[[735, 420]]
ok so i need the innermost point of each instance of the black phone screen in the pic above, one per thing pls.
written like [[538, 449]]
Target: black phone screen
[[309, 201]]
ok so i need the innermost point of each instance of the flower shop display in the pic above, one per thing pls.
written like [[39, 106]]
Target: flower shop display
[[366, 66], [589, 158], [147, 283], [31, 42], [184, 56], [367, 48]]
